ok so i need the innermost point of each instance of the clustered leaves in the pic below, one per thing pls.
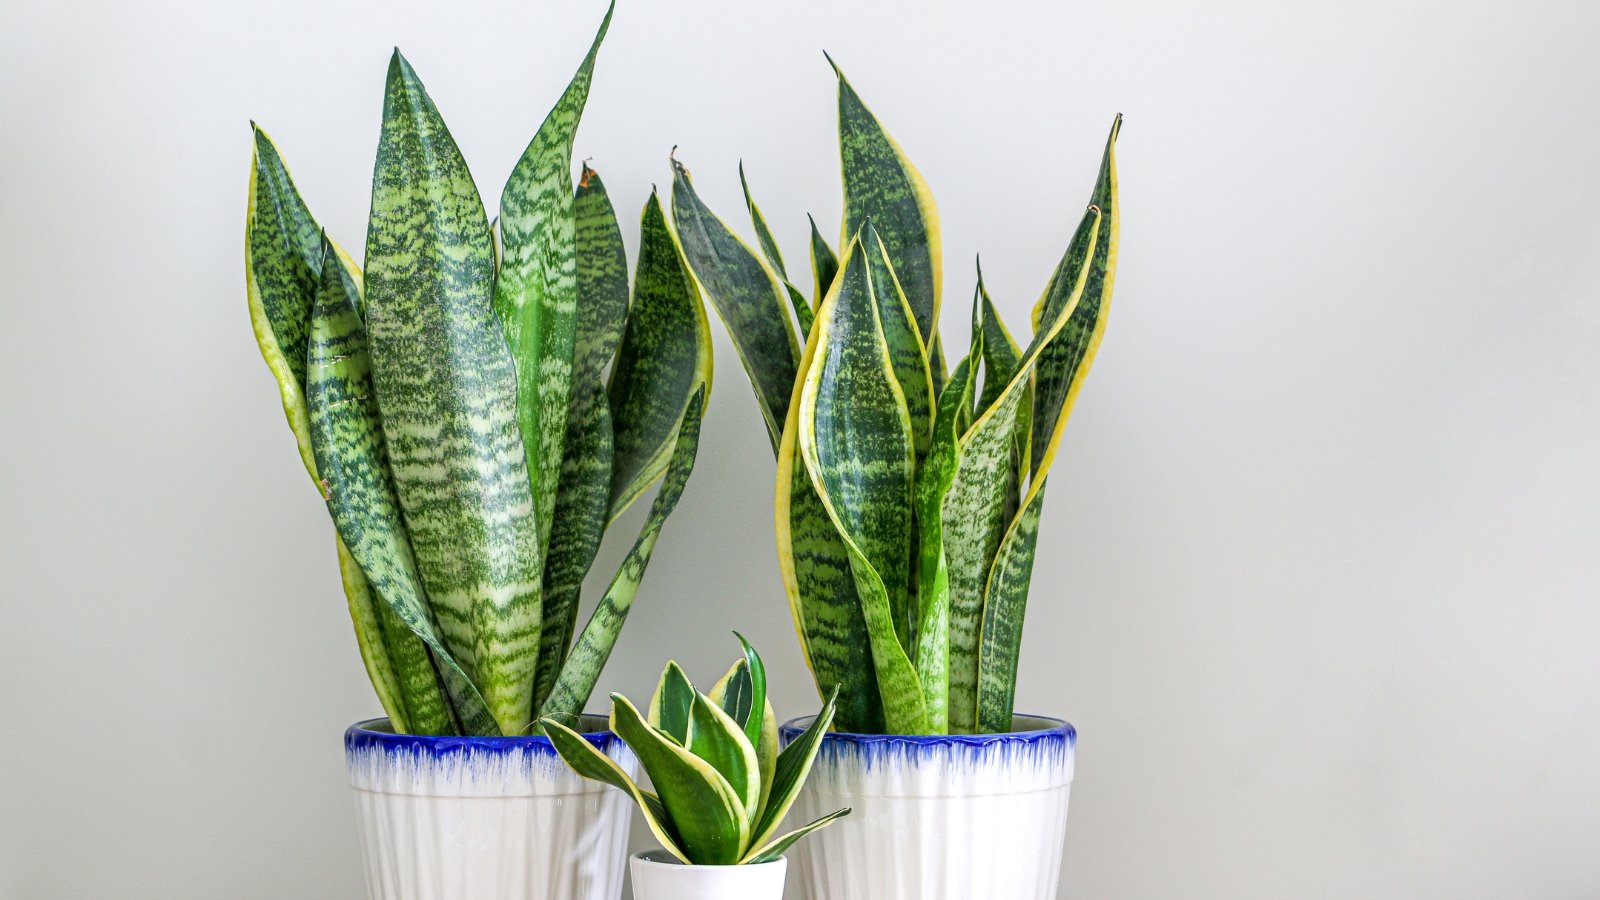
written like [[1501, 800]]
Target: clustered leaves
[[908, 494], [477, 411], [721, 788]]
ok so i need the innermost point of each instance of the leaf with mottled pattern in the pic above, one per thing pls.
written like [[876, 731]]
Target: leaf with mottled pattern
[[447, 388], [665, 357], [881, 184], [856, 441], [824, 263], [599, 635], [536, 293], [745, 294], [347, 439], [974, 512], [583, 498], [769, 248], [1062, 368]]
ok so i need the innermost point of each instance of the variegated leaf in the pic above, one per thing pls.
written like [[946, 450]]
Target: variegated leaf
[[793, 767], [447, 388], [881, 184], [536, 293], [587, 760], [856, 439], [703, 807], [974, 513], [583, 499], [746, 295], [716, 738], [282, 253], [824, 263], [347, 439], [1062, 367], [769, 248], [907, 353], [665, 357], [599, 635]]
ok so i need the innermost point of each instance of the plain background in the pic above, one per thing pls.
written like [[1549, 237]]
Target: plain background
[[1319, 581]]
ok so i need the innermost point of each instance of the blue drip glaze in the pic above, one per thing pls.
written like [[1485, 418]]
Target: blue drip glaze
[[374, 734]]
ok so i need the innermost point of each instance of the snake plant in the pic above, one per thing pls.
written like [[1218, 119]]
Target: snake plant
[[478, 405], [908, 494], [721, 786]]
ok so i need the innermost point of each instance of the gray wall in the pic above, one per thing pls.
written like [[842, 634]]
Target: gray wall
[[1319, 586]]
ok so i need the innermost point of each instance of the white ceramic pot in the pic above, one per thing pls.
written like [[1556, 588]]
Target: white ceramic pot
[[657, 875], [497, 818], [959, 817]]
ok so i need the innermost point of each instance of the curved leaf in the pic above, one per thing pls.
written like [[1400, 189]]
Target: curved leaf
[[907, 353], [599, 635], [778, 846], [746, 296], [974, 512], [855, 437], [716, 738], [735, 694], [703, 808], [669, 707], [587, 760], [347, 439], [819, 581], [1063, 365], [794, 766], [665, 357], [446, 385], [282, 251]]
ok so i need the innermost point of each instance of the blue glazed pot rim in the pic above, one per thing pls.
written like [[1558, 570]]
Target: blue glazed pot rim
[[377, 733], [1043, 728]]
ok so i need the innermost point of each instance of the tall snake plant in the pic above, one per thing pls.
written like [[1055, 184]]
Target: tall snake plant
[[908, 494], [454, 408]]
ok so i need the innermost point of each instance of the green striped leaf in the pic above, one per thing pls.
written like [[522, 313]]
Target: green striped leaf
[[703, 808], [665, 357], [907, 353], [819, 582], [933, 482], [282, 253], [745, 294], [587, 760], [824, 263], [1062, 368], [583, 498], [347, 439], [974, 512], [536, 293], [881, 184], [793, 767], [716, 738], [1065, 362], [447, 386], [670, 705], [599, 635], [769, 248], [856, 440], [775, 849]]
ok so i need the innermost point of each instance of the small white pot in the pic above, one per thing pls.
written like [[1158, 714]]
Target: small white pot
[[657, 875], [958, 817], [485, 818]]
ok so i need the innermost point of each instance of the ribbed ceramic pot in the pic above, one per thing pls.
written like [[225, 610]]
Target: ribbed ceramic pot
[[974, 817], [657, 875], [486, 818]]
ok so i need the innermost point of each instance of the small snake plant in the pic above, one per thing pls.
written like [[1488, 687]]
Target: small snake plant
[[453, 407], [908, 495], [721, 786]]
